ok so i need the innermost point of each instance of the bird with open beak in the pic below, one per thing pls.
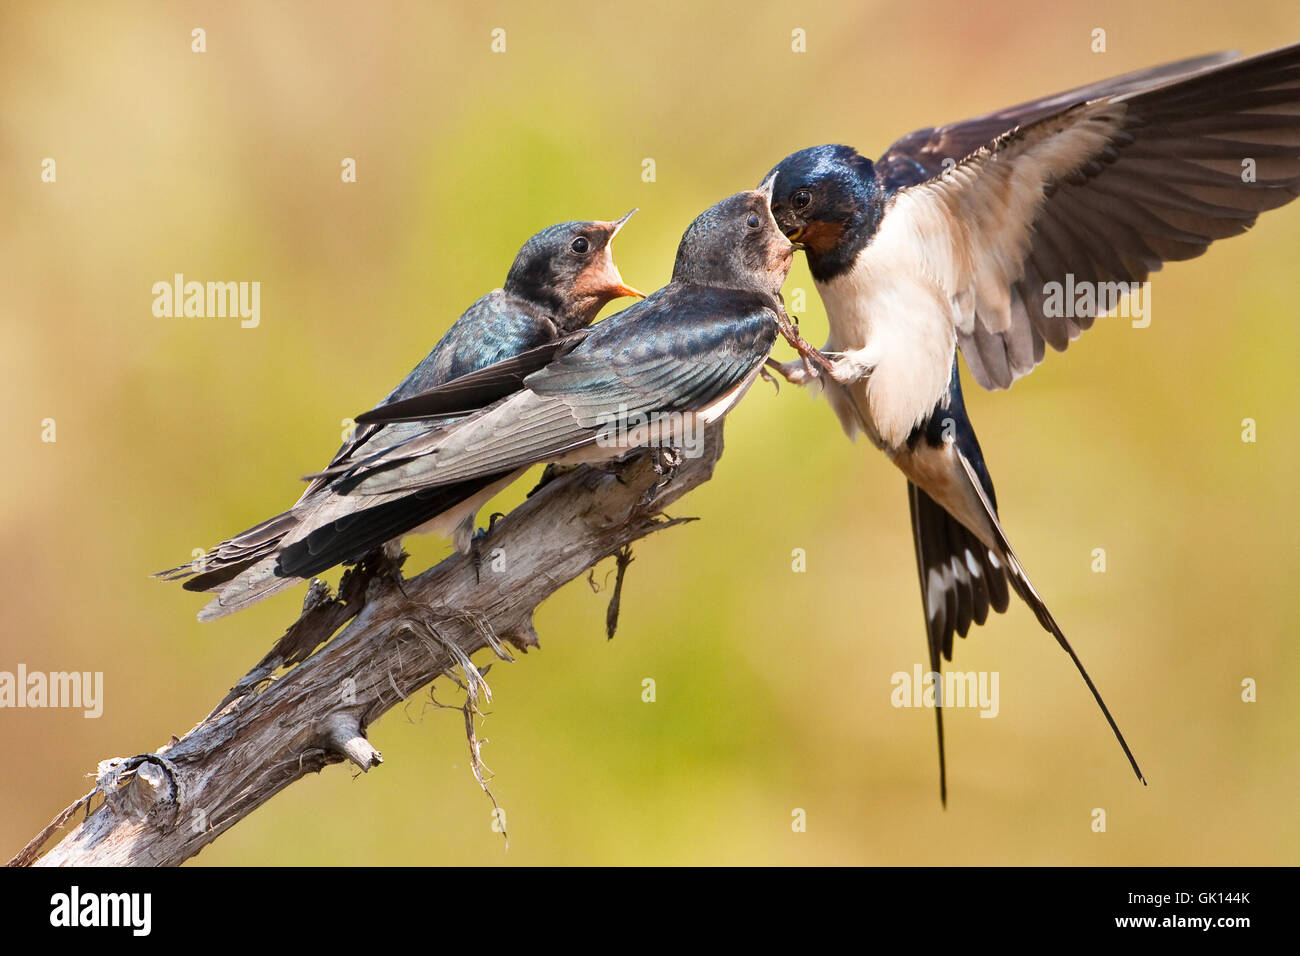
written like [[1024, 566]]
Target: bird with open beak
[[959, 237], [559, 281], [651, 376]]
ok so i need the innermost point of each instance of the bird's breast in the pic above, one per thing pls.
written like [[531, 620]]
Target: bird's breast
[[898, 323]]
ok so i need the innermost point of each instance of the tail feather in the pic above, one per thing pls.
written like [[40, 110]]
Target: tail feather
[[215, 577], [351, 536], [961, 580], [315, 541], [232, 556], [965, 562], [1029, 594], [250, 586]]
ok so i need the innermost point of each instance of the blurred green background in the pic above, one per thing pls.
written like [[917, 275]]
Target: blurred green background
[[773, 686]]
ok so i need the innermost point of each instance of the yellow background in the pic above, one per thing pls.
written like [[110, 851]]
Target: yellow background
[[773, 687]]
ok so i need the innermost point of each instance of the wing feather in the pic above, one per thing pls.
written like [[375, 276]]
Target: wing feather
[[678, 351], [1100, 185]]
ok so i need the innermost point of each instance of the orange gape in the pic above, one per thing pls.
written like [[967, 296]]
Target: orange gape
[[821, 236]]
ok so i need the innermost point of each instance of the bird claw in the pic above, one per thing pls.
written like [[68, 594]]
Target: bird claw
[[666, 459], [476, 555], [388, 561], [814, 361], [826, 362], [798, 372], [839, 367]]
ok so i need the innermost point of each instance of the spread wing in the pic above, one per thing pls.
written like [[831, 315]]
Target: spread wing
[[686, 349], [925, 153], [1098, 186]]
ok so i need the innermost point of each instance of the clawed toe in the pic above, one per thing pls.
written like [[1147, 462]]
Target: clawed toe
[[667, 460], [796, 373]]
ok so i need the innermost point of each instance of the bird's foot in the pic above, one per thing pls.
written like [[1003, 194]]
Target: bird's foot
[[476, 555], [798, 372], [666, 459], [848, 368], [476, 539], [389, 559], [814, 360]]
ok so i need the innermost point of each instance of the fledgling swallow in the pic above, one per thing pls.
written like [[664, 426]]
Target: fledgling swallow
[[668, 366], [559, 281], [954, 238]]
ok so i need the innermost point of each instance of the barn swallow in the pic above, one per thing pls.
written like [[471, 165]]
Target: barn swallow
[[959, 237], [653, 375], [559, 281]]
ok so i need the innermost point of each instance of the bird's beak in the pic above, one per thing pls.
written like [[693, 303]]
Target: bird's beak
[[618, 224], [615, 284], [795, 234], [765, 190], [621, 288]]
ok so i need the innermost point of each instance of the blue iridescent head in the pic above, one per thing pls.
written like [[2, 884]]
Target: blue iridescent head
[[828, 200]]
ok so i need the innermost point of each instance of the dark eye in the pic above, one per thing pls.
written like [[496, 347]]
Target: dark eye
[[801, 199], [753, 221], [580, 245]]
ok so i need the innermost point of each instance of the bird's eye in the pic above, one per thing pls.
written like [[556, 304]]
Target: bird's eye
[[580, 245], [801, 199], [753, 221]]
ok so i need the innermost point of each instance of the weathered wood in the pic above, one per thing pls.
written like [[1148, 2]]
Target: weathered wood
[[161, 809]]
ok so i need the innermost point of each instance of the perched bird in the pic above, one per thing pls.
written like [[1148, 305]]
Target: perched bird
[[963, 236], [655, 374], [559, 281]]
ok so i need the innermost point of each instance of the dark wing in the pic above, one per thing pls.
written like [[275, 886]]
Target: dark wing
[[1101, 193], [350, 536], [923, 154], [369, 441], [475, 390], [495, 328], [681, 350]]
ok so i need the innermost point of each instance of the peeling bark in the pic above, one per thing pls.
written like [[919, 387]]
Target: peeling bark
[[278, 725]]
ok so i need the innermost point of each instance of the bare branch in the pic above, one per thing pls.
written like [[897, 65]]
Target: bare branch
[[160, 809]]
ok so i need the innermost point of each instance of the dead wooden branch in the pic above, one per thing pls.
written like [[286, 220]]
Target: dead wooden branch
[[160, 809]]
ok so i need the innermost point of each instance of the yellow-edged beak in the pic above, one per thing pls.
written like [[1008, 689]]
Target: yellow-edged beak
[[618, 224], [619, 287]]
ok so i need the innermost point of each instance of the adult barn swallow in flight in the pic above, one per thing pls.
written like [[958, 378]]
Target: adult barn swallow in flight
[[559, 281], [648, 376], [955, 239]]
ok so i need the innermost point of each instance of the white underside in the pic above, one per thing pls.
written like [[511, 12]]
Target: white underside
[[944, 258]]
